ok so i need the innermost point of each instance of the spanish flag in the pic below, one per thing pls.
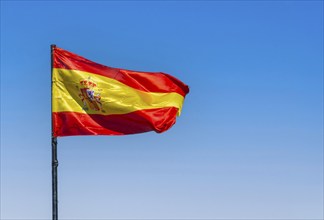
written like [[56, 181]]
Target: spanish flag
[[92, 99]]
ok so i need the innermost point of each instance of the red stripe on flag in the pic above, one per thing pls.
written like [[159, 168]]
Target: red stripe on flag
[[145, 81], [72, 123]]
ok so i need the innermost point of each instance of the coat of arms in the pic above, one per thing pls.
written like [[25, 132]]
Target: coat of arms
[[90, 95]]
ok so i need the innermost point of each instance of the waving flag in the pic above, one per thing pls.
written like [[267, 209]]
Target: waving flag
[[92, 99]]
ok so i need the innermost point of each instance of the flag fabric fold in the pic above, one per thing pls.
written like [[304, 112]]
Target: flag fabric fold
[[92, 99]]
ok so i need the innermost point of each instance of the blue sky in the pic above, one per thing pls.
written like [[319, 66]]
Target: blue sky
[[249, 142]]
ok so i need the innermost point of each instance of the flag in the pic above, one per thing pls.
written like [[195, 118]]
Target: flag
[[92, 99]]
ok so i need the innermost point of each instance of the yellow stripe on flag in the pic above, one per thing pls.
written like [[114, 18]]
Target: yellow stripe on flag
[[113, 97]]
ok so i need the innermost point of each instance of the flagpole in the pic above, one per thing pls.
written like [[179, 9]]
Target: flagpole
[[54, 150]]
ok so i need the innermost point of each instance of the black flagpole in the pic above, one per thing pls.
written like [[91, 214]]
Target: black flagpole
[[54, 150]]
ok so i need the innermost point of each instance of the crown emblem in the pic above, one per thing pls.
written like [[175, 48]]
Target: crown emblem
[[90, 95]]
